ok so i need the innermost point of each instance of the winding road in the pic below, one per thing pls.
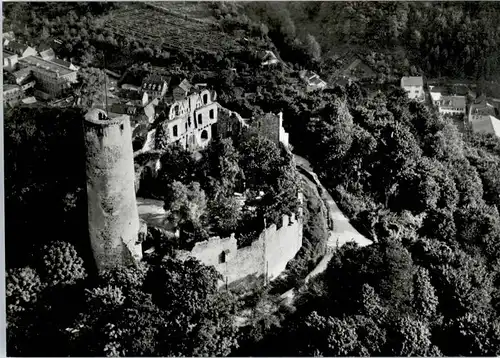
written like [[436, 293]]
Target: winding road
[[341, 233]]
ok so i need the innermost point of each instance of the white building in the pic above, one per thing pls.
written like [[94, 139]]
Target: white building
[[312, 80], [452, 105], [52, 80], [414, 87]]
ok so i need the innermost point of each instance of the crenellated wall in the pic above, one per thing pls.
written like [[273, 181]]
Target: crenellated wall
[[263, 260]]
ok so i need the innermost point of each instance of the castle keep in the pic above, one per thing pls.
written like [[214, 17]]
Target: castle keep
[[112, 209]]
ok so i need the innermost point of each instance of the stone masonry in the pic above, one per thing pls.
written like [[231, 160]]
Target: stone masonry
[[112, 208]]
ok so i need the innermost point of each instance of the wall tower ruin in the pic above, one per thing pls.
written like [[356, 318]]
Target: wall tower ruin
[[112, 209]]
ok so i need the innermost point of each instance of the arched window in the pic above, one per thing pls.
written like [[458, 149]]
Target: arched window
[[205, 98], [176, 110], [200, 119], [211, 113], [204, 135], [222, 257]]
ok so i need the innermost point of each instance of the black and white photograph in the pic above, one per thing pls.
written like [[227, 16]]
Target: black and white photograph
[[251, 178]]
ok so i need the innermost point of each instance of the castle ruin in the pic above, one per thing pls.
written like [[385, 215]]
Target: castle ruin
[[112, 208]]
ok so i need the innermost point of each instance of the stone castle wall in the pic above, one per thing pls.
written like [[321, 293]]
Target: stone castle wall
[[112, 209], [263, 260]]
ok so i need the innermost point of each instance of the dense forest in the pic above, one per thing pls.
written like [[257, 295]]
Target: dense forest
[[428, 195], [456, 39]]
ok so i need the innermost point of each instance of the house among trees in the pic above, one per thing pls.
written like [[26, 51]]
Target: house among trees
[[483, 117], [436, 95], [482, 107], [452, 105], [19, 49], [268, 58], [312, 80], [7, 37], [140, 114], [24, 77], [47, 53], [414, 87], [359, 70]]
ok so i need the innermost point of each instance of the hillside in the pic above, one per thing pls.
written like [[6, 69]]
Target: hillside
[[454, 39], [422, 194]]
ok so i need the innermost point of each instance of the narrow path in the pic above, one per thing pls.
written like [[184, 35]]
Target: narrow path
[[341, 233]]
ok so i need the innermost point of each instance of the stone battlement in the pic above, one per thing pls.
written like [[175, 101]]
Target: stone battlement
[[92, 116], [265, 259]]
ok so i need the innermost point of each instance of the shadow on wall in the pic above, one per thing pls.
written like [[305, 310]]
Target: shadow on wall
[[244, 284], [266, 257]]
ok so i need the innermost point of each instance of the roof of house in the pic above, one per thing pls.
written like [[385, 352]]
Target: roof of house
[[149, 110], [436, 96], [47, 52], [16, 46], [23, 72], [453, 101], [412, 81], [482, 108], [9, 87], [9, 35], [128, 86], [7, 54], [48, 65], [266, 54], [120, 108], [185, 85], [315, 80], [154, 79], [29, 100], [113, 74], [487, 124], [62, 62]]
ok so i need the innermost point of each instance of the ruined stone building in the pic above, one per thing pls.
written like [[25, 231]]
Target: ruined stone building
[[190, 120], [269, 126], [112, 209]]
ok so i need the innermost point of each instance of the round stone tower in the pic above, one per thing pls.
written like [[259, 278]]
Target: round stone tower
[[112, 209]]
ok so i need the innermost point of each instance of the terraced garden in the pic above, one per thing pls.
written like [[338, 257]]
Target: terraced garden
[[169, 28]]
